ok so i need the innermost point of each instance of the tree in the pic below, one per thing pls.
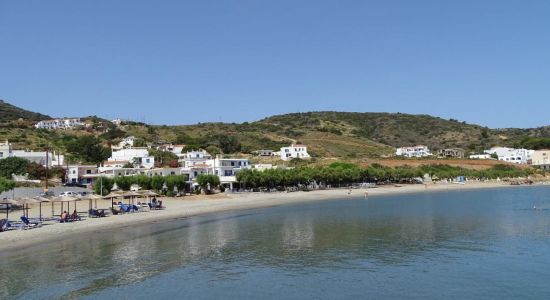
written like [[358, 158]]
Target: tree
[[6, 184], [36, 171], [105, 182], [208, 182], [124, 182], [157, 182], [13, 165], [89, 149], [128, 165], [163, 158], [175, 181]]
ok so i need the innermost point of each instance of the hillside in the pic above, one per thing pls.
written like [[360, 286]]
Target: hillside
[[347, 135], [10, 112]]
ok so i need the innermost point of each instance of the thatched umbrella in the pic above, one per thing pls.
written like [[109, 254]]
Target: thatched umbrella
[[91, 197], [68, 199], [131, 195], [25, 201], [8, 202], [41, 199], [149, 194], [111, 196]]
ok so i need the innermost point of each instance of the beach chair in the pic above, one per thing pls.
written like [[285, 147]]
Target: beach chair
[[4, 225], [30, 224]]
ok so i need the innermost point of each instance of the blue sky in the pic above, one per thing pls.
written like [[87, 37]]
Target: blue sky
[[182, 62]]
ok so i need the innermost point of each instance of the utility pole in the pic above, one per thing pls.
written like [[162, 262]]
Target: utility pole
[[47, 165]]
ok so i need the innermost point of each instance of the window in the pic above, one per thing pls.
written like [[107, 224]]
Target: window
[[232, 163], [228, 173], [1, 154], [88, 171], [147, 161]]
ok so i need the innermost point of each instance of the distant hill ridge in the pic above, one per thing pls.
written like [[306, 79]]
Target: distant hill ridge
[[10, 112], [326, 133]]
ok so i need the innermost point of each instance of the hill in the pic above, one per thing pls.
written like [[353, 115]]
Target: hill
[[10, 112], [328, 134]]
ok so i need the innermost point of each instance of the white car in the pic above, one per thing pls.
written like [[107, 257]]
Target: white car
[[69, 193]]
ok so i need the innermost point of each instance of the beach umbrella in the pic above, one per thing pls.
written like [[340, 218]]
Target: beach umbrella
[[25, 201], [68, 199], [8, 202], [40, 201], [111, 196], [149, 194], [131, 195], [91, 197]]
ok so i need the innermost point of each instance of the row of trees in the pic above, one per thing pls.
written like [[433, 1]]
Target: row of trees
[[345, 173], [21, 166], [164, 184]]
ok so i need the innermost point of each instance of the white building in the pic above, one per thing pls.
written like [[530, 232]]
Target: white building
[[64, 123], [480, 156], [136, 156], [82, 174], [5, 149], [416, 151], [195, 163], [50, 159], [127, 142], [294, 151], [512, 155], [541, 159], [264, 152]]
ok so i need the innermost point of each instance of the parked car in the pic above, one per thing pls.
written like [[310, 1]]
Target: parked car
[[47, 194], [69, 193]]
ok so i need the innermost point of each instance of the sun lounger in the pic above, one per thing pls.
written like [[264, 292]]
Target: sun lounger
[[96, 213], [30, 224]]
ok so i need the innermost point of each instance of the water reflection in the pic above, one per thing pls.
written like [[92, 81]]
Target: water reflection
[[299, 239]]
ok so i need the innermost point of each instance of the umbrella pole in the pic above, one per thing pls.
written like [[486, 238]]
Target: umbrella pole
[[52, 209], [40, 211], [7, 211]]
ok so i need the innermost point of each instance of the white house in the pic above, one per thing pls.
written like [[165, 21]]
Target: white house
[[416, 151], [127, 142], [480, 156], [82, 174], [512, 155], [541, 159], [195, 163], [136, 156], [5, 150], [294, 151], [64, 123]]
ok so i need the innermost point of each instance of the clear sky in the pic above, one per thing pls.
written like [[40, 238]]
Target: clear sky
[[182, 62]]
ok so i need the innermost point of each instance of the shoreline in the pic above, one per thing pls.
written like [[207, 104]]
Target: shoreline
[[190, 206]]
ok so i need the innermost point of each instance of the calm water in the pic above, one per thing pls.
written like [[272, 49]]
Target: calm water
[[474, 244]]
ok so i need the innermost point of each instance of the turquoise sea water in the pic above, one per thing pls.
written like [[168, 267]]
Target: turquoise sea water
[[484, 244]]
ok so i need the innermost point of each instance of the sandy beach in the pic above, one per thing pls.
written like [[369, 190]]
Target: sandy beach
[[197, 205]]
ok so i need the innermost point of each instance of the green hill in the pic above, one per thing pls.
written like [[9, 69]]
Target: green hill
[[10, 112], [327, 133]]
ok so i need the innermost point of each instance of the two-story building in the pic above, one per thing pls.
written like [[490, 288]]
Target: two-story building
[[5, 150], [82, 174], [512, 155], [65, 123], [139, 157], [294, 151], [450, 153], [415, 151], [541, 159]]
